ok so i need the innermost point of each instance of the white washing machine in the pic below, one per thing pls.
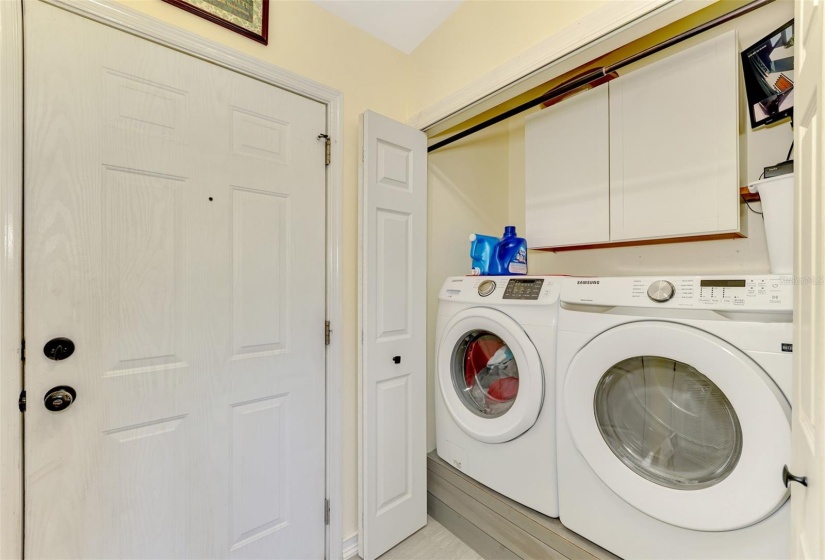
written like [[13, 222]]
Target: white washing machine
[[495, 383], [674, 415]]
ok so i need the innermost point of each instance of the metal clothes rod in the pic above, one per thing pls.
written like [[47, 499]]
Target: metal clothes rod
[[598, 73]]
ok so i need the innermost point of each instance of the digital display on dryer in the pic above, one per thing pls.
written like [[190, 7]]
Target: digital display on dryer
[[523, 288]]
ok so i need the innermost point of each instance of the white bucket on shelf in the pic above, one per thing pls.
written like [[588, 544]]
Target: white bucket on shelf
[[777, 198]]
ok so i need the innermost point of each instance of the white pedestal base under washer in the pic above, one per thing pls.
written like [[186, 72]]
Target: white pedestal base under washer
[[495, 384], [674, 415]]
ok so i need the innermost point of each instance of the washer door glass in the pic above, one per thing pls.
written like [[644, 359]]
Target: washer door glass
[[668, 422], [485, 374]]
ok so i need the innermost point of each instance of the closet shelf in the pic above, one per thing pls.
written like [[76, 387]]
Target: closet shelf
[[748, 196]]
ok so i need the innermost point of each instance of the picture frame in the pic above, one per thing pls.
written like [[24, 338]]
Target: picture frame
[[768, 68], [249, 18]]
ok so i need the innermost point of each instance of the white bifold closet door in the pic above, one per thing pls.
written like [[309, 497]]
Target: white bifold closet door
[[175, 232], [808, 430], [393, 259]]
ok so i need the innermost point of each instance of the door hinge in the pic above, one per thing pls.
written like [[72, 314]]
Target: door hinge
[[327, 333], [328, 144], [21, 401], [326, 511]]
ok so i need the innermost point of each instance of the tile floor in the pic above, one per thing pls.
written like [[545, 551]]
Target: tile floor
[[433, 542]]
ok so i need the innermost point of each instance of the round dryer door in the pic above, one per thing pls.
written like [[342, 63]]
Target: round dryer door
[[680, 424], [490, 375]]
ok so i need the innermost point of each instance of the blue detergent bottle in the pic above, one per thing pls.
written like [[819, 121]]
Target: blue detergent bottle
[[510, 254], [481, 251]]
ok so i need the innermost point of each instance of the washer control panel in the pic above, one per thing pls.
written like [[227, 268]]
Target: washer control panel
[[720, 293], [518, 288], [487, 290]]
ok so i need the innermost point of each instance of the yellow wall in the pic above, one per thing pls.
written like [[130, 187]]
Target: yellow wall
[[479, 37], [310, 41]]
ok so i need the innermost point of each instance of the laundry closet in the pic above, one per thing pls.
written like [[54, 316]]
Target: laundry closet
[[248, 316], [491, 178]]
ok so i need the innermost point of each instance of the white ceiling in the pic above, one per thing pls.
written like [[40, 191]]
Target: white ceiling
[[403, 24]]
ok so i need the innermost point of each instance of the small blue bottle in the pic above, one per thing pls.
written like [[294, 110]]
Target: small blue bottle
[[510, 254]]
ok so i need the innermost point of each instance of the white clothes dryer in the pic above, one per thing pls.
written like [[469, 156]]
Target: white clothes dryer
[[674, 415], [495, 382]]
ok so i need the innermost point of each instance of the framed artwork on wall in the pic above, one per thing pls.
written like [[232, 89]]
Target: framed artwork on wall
[[247, 17]]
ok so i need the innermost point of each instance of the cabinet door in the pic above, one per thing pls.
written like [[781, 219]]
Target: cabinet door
[[568, 174], [674, 145]]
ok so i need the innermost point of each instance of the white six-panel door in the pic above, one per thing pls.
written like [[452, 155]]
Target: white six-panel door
[[808, 445], [175, 232], [393, 351]]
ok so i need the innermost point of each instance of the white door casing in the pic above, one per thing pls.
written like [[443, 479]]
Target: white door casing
[[167, 239], [392, 373], [808, 447]]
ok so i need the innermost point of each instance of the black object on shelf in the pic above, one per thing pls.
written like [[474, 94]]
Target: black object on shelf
[[782, 168]]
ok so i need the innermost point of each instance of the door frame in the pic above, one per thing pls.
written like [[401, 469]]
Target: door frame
[[11, 215]]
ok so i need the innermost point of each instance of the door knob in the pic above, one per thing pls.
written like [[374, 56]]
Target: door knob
[[787, 478], [59, 398]]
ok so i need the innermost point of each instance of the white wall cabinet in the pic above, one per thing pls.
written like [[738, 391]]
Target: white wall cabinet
[[674, 145], [653, 155], [567, 182]]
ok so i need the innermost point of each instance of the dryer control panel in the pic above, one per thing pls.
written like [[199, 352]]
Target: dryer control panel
[[718, 293]]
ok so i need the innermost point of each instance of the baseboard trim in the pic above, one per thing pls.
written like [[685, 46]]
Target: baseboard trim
[[350, 548]]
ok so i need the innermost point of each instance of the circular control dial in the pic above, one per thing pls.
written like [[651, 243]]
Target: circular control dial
[[486, 288], [661, 291]]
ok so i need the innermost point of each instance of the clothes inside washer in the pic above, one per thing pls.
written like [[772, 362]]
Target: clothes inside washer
[[490, 375]]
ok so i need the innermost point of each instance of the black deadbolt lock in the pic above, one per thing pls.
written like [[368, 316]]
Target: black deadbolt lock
[[59, 398], [58, 349]]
